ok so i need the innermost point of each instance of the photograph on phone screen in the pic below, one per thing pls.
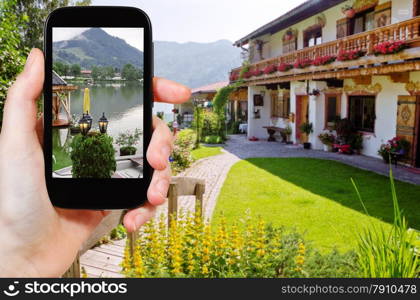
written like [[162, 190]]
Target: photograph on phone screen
[[97, 102]]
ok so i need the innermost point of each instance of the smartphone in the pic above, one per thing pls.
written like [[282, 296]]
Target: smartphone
[[97, 107]]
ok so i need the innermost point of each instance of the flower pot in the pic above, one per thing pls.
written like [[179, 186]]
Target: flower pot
[[350, 13], [307, 146], [328, 148], [124, 151]]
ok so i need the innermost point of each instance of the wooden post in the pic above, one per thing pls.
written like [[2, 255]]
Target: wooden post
[[132, 239], [172, 202], [199, 193], [74, 270]]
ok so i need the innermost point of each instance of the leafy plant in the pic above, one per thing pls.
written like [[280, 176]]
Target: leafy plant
[[345, 130], [129, 138], [288, 130], [327, 138], [306, 128], [12, 55], [395, 145], [181, 157], [388, 253], [356, 141], [213, 139], [93, 156], [118, 233], [190, 248]]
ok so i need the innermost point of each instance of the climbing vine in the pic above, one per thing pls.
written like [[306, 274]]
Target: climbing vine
[[222, 97]]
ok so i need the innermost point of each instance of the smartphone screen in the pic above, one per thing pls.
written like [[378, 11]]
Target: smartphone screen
[[97, 102]]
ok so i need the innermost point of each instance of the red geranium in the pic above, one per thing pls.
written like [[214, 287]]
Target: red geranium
[[248, 74], [303, 63], [257, 72], [234, 76], [324, 60], [284, 67], [390, 47], [270, 69], [350, 55]]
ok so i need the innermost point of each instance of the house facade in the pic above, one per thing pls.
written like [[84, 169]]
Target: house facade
[[320, 62]]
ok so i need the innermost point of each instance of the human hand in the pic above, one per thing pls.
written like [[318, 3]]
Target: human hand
[[39, 240]]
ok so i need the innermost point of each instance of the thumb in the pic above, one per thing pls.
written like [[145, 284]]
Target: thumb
[[20, 108]]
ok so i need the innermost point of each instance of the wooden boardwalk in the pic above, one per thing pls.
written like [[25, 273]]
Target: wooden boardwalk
[[104, 261]]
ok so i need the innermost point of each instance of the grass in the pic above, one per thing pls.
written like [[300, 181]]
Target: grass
[[62, 160], [316, 197], [205, 151]]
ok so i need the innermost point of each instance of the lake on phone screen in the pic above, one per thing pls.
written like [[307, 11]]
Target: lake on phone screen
[[122, 105]]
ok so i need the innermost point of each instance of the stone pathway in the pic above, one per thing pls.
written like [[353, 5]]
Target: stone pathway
[[213, 170]]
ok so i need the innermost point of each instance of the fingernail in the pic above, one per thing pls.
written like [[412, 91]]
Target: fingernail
[[162, 187], [30, 60]]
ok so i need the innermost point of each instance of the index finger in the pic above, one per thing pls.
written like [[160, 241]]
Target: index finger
[[168, 91]]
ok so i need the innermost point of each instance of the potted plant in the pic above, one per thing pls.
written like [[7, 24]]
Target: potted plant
[[356, 142], [328, 139], [127, 140], [349, 11], [397, 145], [307, 128], [288, 132]]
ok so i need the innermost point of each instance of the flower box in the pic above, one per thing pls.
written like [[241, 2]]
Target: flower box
[[390, 47], [284, 67], [303, 63], [350, 55]]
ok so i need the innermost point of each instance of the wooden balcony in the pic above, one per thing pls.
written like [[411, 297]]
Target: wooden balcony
[[408, 31]]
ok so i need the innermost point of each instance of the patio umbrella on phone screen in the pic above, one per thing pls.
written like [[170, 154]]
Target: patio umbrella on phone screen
[[86, 101]]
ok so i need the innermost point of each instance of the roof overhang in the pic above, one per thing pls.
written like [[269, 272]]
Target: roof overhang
[[302, 12]]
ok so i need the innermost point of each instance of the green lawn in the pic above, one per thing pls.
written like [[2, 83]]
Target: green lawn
[[205, 151], [314, 196], [62, 160]]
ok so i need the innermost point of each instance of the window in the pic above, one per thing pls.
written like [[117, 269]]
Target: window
[[362, 22], [280, 104], [362, 112], [312, 37], [289, 46], [332, 108]]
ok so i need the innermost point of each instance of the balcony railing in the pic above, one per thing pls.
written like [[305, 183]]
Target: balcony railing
[[407, 31]]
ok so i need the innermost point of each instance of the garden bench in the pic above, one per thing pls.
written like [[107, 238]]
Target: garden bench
[[271, 130]]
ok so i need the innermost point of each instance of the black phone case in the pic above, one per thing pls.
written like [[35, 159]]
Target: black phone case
[[98, 194]]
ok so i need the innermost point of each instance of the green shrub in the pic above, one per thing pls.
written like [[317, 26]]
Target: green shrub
[[181, 155], [93, 156], [210, 125], [193, 249], [386, 253], [118, 233], [213, 139]]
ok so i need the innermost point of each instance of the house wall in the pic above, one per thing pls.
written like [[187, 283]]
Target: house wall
[[386, 111], [401, 10]]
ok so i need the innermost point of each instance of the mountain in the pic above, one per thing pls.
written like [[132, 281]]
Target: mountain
[[192, 64], [196, 64], [95, 47]]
